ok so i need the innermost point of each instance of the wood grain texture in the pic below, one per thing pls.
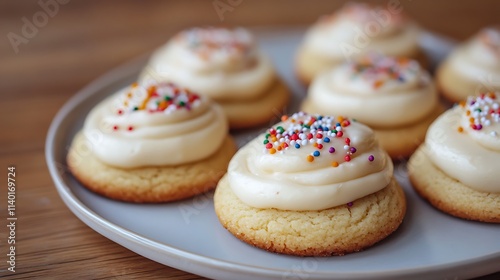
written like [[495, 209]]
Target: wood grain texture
[[81, 42]]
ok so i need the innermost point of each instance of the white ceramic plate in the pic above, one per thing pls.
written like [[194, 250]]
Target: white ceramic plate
[[187, 235]]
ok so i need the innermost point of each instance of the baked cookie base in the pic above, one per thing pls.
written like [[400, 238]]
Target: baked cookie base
[[258, 111], [148, 184], [450, 195], [399, 142], [335, 231]]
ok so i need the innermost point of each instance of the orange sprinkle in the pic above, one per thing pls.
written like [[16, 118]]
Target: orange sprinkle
[[135, 84], [274, 139], [492, 95], [310, 158], [467, 113], [315, 145], [335, 164], [129, 95], [403, 60], [378, 84], [471, 120], [151, 90], [340, 119], [461, 103], [284, 118], [162, 105], [460, 129], [272, 151], [280, 148]]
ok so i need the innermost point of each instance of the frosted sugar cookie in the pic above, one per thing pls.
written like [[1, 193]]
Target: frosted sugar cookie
[[311, 186], [152, 143]]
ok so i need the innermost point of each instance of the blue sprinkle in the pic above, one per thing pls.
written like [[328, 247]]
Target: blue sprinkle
[[320, 117], [400, 78], [337, 124], [297, 146], [326, 140], [316, 153]]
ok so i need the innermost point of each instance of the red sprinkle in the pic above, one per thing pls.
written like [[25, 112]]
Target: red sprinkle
[[340, 133], [347, 158]]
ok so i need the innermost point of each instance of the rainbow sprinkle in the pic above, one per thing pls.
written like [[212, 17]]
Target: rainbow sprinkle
[[213, 41], [379, 70], [163, 97], [482, 111], [301, 129]]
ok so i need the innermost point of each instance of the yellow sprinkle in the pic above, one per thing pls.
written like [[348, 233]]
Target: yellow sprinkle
[[462, 103], [335, 164], [467, 113], [340, 118], [272, 151], [315, 145], [471, 120], [134, 84], [460, 129], [310, 158]]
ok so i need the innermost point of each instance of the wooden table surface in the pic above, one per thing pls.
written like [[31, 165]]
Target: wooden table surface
[[80, 41]]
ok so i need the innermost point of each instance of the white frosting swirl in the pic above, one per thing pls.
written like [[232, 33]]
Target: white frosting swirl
[[358, 28], [217, 62], [302, 172], [464, 142], [479, 58], [376, 90], [154, 125]]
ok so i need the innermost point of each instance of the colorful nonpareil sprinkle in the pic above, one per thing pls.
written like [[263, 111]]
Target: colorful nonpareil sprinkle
[[214, 41], [161, 98], [482, 111], [303, 129], [379, 70]]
